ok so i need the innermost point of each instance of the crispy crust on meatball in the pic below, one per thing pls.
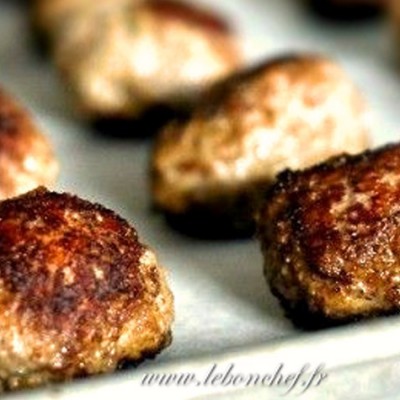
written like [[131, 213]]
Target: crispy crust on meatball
[[79, 293], [330, 238], [26, 156], [291, 112]]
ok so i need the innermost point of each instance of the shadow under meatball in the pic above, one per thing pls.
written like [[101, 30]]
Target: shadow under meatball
[[346, 11], [144, 127]]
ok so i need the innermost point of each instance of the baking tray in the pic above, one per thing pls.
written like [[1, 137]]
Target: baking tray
[[225, 314]]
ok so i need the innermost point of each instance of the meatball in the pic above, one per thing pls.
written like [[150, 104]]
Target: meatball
[[209, 173], [348, 9], [26, 156], [120, 61], [330, 238], [80, 294]]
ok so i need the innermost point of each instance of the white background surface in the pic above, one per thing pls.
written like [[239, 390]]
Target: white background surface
[[222, 302]]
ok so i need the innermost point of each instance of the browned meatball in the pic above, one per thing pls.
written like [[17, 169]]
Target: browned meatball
[[331, 239], [208, 174], [348, 9], [79, 293], [26, 156], [121, 59]]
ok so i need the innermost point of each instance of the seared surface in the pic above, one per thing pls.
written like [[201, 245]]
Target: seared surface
[[26, 156], [79, 294], [288, 113], [121, 58], [331, 239]]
